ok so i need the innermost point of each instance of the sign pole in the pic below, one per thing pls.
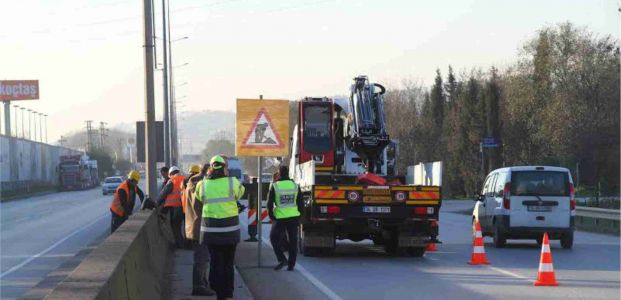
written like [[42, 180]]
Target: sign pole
[[259, 204]]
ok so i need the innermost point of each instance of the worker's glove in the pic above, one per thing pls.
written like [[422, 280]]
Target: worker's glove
[[240, 207], [147, 204]]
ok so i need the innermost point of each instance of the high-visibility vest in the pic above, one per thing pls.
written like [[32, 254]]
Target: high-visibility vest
[[285, 200], [116, 206], [174, 198], [220, 203]]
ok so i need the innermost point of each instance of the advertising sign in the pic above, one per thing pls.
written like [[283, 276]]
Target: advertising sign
[[19, 90], [262, 127]]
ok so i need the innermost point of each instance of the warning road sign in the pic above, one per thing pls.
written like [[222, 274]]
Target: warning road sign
[[262, 127]]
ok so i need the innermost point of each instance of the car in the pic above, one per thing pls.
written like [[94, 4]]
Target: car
[[524, 202], [110, 184]]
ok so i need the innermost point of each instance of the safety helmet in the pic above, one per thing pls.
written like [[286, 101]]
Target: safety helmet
[[195, 168], [172, 170], [134, 175], [217, 162]]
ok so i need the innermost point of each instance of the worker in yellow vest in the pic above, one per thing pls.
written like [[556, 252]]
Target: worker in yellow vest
[[122, 205], [170, 200], [284, 204], [219, 194]]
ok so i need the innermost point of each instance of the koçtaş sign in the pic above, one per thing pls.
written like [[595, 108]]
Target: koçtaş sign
[[19, 90]]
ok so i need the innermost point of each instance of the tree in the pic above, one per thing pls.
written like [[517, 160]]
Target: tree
[[218, 146]]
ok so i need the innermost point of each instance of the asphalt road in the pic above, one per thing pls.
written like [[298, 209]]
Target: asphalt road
[[39, 234], [363, 271]]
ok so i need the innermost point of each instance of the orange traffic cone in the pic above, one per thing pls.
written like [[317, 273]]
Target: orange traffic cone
[[478, 253], [431, 247], [545, 276]]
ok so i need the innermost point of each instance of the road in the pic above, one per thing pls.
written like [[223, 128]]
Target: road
[[39, 234], [363, 271]]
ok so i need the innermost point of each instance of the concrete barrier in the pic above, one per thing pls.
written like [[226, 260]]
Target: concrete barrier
[[132, 263]]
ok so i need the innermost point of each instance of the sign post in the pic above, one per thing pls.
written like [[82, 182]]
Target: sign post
[[262, 129]]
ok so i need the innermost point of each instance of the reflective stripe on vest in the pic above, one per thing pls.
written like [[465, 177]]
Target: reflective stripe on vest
[[219, 199], [219, 229], [285, 200], [174, 198], [116, 205]]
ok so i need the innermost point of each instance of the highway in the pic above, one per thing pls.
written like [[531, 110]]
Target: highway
[[38, 234], [363, 271]]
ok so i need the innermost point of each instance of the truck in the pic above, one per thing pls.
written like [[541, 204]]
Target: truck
[[343, 160], [77, 172]]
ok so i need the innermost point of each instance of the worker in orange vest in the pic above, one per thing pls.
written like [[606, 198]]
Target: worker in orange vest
[[170, 200], [122, 205]]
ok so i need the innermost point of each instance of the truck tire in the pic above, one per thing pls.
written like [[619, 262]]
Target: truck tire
[[391, 244], [567, 240], [306, 251], [416, 251], [500, 240]]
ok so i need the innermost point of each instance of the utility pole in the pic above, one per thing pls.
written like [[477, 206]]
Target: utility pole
[[174, 142], [41, 127], [29, 124], [23, 131], [150, 156], [15, 112], [166, 83], [89, 136], [102, 134], [259, 204]]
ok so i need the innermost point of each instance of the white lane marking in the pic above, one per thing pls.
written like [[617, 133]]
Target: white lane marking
[[499, 270], [316, 282], [50, 248], [42, 256]]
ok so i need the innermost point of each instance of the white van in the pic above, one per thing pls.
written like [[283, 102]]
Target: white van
[[524, 202]]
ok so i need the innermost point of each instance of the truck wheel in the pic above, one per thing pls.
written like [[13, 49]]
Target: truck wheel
[[391, 246], [416, 251], [567, 240], [500, 240], [306, 251]]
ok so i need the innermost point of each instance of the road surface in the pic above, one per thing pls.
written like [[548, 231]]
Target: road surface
[[363, 271], [39, 234]]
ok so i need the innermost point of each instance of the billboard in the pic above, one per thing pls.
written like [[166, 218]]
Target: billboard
[[262, 127], [159, 141], [19, 90]]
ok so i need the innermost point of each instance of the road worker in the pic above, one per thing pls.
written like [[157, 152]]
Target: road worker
[[193, 170], [122, 205], [164, 174], [284, 204], [170, 200], [193, 214], [220, 231]]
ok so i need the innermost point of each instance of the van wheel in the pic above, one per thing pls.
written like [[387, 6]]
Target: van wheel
[[474, 228], [567, 240], [500, 240], [416, 251]]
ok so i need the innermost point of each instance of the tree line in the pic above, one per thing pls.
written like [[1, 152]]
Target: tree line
[[558, 104]]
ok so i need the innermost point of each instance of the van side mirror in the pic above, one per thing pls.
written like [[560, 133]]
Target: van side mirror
[[478, 197]]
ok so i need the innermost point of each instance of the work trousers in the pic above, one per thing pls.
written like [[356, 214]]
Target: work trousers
[[221, 269], [199, 268], [116, 222], [290, 227], [175, 215]]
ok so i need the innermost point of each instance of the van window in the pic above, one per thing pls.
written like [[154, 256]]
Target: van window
[[500, 184], [539, 183], [489, 189]]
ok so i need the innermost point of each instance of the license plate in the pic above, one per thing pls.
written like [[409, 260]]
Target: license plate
[[539, 208], [376, 209]]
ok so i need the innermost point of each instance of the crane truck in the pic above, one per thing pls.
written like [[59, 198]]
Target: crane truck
[[343, 159]]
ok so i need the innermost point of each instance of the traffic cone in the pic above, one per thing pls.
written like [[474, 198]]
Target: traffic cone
[[431, 247], [478, 252], [545, 276]]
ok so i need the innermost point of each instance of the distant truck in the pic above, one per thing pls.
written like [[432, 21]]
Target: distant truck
[[77, 172]]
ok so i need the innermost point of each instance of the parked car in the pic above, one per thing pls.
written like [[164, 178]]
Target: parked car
[[524, 202], [110, 184]]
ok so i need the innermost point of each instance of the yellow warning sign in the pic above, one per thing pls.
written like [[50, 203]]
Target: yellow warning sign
[[262, 127]]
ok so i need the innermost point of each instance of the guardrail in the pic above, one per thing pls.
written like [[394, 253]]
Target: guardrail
[[598, 213]]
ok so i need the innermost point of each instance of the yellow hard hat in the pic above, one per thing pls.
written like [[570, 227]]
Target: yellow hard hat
[[195, 168], [134, 175], [217, 162]]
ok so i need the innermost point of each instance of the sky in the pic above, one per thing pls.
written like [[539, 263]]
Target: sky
[[89, 60]]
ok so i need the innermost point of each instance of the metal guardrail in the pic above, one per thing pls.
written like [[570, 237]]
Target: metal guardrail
[[598, 213]]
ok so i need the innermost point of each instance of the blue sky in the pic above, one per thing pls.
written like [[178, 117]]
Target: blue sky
[[88, 56]]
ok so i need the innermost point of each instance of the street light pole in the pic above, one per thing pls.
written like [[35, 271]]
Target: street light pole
[[30, 124], [150, 156], [23, 127], [165, 46], [15, 112], [45, 116], [41, 127]]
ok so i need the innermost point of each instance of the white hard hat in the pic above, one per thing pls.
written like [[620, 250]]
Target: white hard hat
[[173, 169]]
